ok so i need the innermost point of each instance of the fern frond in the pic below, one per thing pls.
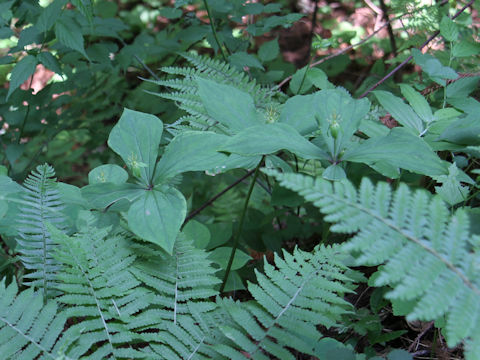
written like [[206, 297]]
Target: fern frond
[[303, 290], [100, 291], [177, 279], [35, 244], [28, 328], [429, 256], [185, 89], [182, 283]]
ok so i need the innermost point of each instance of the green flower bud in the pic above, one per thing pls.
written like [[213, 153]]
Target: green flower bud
[[334, 129]]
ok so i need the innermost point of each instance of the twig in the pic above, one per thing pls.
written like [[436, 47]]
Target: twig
[[404, 62], [140, 61], [374, 7], [393, 44], [419, 336], [312, 30], [240, 226], [211, 200], [331, 56]]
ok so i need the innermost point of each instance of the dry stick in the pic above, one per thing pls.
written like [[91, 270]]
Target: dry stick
[[404, 62], [287, 79], [419, 336], [210, 202]]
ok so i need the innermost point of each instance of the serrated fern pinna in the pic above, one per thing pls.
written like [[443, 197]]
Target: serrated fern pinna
[[184, 91], [428, 255], [41, 205]]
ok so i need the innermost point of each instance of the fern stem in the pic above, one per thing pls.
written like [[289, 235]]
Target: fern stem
[[240, 225], [212, 25]]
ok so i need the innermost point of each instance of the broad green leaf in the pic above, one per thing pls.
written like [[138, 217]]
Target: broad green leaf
[[136, 138], [373, 128], [299, 112], [49, 15], [198, 232], [13, 152], [107, 173], [50, 62], [434, 68], [399, 354], [300, 82], [28, 36], [21, 72], [463, 131], [158, 215], [269, 50], [451, 190], [334, 173], [400, 148], [319, 79], [171, 13], [448, 29], [241, 59], [270, 138], [85, 7], [5, 12], [462, 87], [73, 201], [400, 111], [102, 195], [417, 102], [227, 105], [8, 187], [221, 255], [69, 33], [190, 151], [337, 107], [465, 48]]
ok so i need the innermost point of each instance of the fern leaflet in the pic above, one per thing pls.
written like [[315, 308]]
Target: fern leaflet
[[36, 246], [429, 256], [303, 291], [28, 328], [100, 290]]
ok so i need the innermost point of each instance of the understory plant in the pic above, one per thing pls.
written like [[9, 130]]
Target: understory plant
[[236, 218]]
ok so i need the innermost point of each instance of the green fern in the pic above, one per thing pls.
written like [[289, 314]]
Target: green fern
[[100, 292], [28, 328], [430, 258], [176, 279], [35, 243], [302, 291], [184, 91]]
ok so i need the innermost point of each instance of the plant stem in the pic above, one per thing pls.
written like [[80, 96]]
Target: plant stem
[[211, 200], [212, 25], [404, 62], [240, 225]]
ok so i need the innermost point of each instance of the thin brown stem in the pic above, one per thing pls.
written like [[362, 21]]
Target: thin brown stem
[[211, 200], [240, 225], [407, 60]]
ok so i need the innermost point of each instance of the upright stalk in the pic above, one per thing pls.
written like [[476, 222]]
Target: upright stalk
[[212, 25], [240, 226]]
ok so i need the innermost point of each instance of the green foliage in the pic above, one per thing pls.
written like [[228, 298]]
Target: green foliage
[[29, 328], [131, 264], [429, 256], [303, 291], [41, 205]]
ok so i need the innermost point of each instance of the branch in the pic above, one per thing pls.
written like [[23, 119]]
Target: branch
[[331, 56], [211, 200], [404, 62]]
